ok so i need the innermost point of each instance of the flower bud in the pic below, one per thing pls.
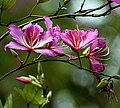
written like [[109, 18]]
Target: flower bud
[[49, 95], [13, 53], [103, 83], [24, 79], [66, 1]]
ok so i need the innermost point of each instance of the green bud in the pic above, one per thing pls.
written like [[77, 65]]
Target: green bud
[[13, 53], [66, 1], [49, 95], [37, 84], [32, 77], [103, 83]]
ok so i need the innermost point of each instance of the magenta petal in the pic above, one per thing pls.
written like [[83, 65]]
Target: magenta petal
[[117, 1], [32, 32], [43, 39], [17, 34], [66, 39], [14, 45], [48, 22], [46, 52], [59, 50], [98, 44], [36, 26], [96, 65], [89, 36]]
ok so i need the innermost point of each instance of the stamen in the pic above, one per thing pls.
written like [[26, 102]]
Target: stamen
[[103, 58], [106, 53]]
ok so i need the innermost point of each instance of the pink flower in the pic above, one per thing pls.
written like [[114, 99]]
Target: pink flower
[[117, 1], [28, 38], [78, 40], [53, 48], [24, 79], [93, 54]]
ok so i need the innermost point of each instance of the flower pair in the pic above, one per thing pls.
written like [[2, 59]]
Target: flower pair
[[79, 39], [48, 42]]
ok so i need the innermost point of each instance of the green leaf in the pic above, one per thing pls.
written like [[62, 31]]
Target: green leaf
[[6, 4], [39, 98], [1, 106], [8, 103], [29, 92], [20, 92]]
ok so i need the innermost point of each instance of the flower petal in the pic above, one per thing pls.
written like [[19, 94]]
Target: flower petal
[[48, 22], [32, 32], [17, 34], [14, 45], [117, 1], [43, 39], [96, 65], [46, 52], [88, 36], [98, 44], [66, 39]]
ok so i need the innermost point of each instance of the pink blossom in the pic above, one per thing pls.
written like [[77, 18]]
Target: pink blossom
[[117, 1], [93, 54], [78, 40], [30, 37]]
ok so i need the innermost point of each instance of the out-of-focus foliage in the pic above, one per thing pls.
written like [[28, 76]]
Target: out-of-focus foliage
[[72, 88], [6, 4]]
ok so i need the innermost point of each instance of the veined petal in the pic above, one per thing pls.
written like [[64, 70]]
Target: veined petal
[[117, 1], [58, 49], [46, 52], [32, 32], [96, 65], [17, 34], [98, 44], [43, 39], [36, 26], [48, 22], [14, 45], [66, 39], [89, 37]]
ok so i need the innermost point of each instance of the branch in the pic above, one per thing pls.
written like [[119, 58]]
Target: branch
[[84, 13], [53, 60]]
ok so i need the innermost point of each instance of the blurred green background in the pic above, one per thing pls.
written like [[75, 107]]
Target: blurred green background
[[72, 88]]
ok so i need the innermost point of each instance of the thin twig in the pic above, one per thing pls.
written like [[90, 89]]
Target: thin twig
[[82, 5], [84, 14], [52, 60]]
